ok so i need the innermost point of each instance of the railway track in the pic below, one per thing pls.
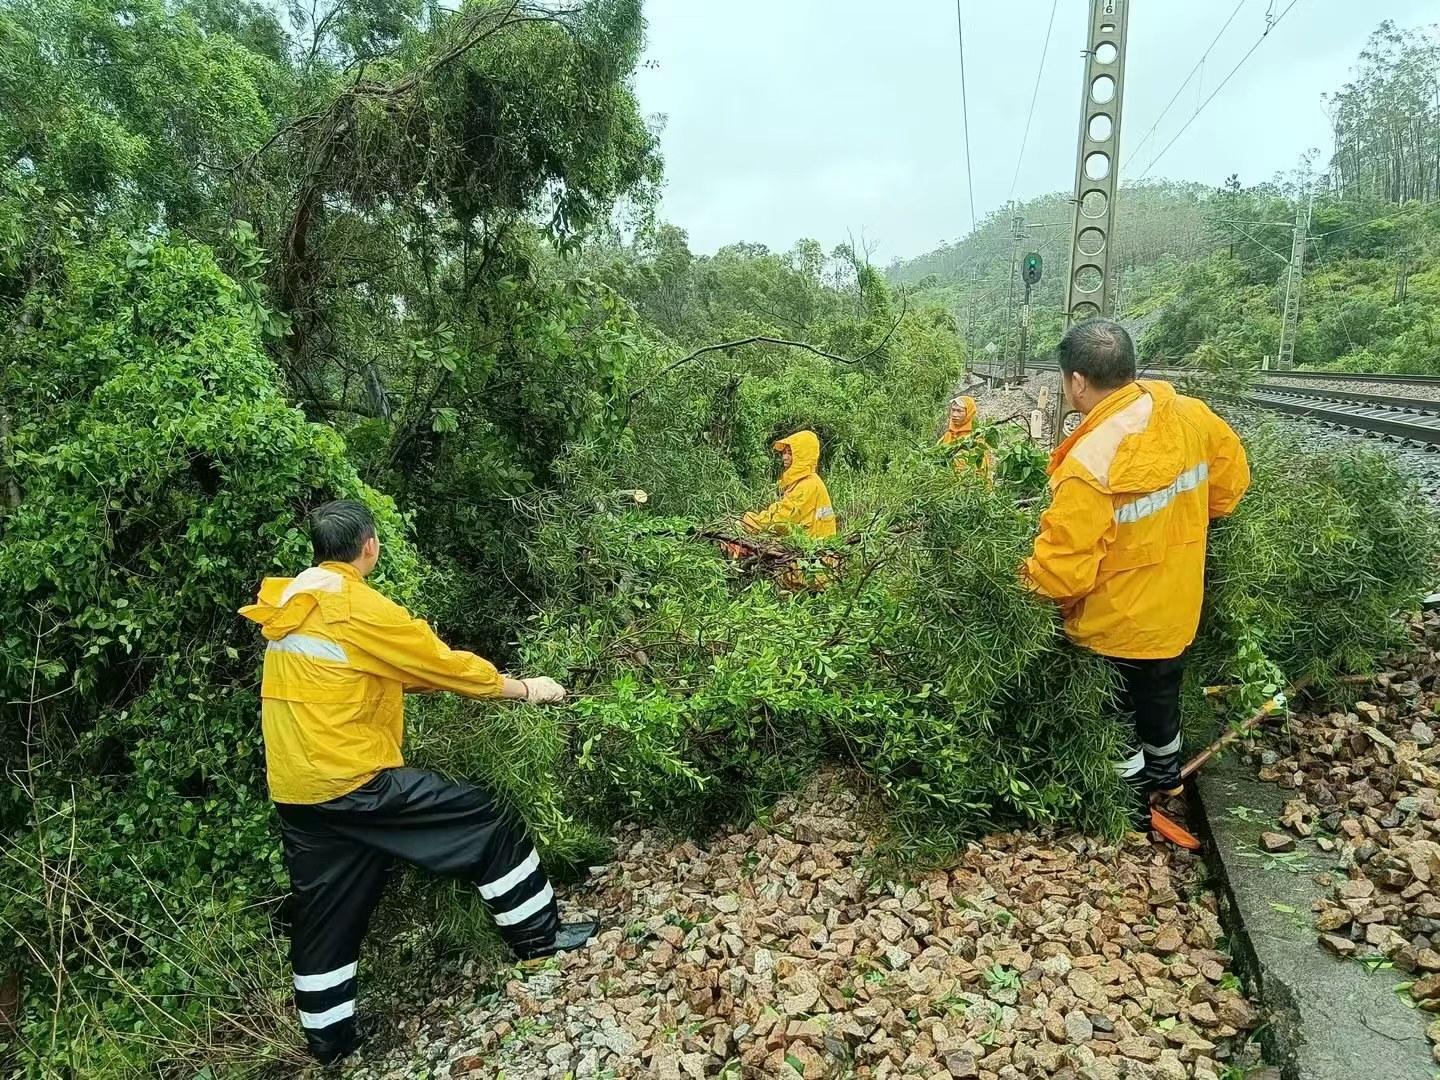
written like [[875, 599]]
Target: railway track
[[1412, 420], [1354, 397], [1358, 377], [1391, 416], [1294, 375]]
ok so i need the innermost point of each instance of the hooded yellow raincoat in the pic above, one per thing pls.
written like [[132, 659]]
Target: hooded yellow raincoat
[[1122, 545], [957, 430], [804, 501], [962, 429], [338, 660]]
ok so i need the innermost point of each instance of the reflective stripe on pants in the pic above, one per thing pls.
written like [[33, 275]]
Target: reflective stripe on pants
[[1150, 702], [338, 854]]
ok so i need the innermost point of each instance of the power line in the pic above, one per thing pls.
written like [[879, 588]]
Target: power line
[[1034, 96], [965, 111], [1214, 93], [1181, 88], [1372, 221]]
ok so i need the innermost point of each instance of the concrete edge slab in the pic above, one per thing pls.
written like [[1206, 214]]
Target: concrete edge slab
[[1328, 1019]]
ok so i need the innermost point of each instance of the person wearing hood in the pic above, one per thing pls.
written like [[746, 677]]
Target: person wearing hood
[[339, 658], [1121, 547], [960, 424], [960, 420], [804, 502]]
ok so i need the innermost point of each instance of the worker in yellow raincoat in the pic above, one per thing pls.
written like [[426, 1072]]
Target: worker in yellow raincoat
[[1122, 546], [339, 658], [960, 424], [960, 419], [804, 503]]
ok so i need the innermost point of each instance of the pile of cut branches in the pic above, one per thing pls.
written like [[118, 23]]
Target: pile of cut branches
[[708, 687]]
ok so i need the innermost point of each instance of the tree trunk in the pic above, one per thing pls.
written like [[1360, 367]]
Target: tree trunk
[[12, 487]]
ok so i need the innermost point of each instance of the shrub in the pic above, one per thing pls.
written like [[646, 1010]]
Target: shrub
[[162, 475], [1326, 548], [923, 661]]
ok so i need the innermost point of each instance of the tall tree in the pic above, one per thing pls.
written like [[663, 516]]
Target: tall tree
[[1386, 120]]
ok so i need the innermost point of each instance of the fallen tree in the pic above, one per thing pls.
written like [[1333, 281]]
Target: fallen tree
[[704, 691]]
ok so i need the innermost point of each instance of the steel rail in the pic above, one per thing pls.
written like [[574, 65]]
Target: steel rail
[[1357, 397], [1336, 376], [1421, 428]]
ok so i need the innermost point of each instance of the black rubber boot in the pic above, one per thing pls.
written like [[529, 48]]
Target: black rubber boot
[[365, 1028], [571, 935]]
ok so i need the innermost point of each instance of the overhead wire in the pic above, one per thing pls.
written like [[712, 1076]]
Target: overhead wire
[[1372, 221], [1034, 96], [1215, 93], [965, 112], [1186, 82]]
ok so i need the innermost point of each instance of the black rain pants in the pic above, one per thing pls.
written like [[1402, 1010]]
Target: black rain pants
[[1150, 700], [339, 852]]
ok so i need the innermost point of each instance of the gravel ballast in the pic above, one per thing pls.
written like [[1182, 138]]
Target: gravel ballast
[[1367, 787], [1412, 390], [773, 952]]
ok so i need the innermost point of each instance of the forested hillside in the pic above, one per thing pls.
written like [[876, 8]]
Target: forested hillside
[[1164, 227], [407, 254], [1202, 267]]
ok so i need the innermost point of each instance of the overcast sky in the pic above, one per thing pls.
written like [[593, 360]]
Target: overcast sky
[[794, 118]]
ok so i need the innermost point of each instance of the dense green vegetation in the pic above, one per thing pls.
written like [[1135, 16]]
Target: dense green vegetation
[[1202, 286], [407, 254], [1369, 303]]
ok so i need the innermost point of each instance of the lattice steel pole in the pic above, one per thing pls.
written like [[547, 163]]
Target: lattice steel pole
[[1017, 234], [1089, 288], [1294, 281]]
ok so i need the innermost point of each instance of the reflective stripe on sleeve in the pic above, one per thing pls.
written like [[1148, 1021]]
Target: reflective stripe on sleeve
[[343, 1011], [1156, 501], [525, 910], [501, 885], [326, 979], [305, 645]]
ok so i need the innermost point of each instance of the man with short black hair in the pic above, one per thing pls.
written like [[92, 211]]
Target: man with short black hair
[[338, 531], [339, 659], [1101, 352], [1122, 544]]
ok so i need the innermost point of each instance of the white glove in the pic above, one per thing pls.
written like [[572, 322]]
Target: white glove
[[543, 691]]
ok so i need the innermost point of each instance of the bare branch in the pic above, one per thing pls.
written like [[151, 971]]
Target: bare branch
[[320, 27], [12, 486], [767, 339], [476, 29]]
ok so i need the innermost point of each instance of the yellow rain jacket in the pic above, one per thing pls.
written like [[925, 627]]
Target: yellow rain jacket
[[1122, 545], [804, 501], [955, 431], [338, 660]]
